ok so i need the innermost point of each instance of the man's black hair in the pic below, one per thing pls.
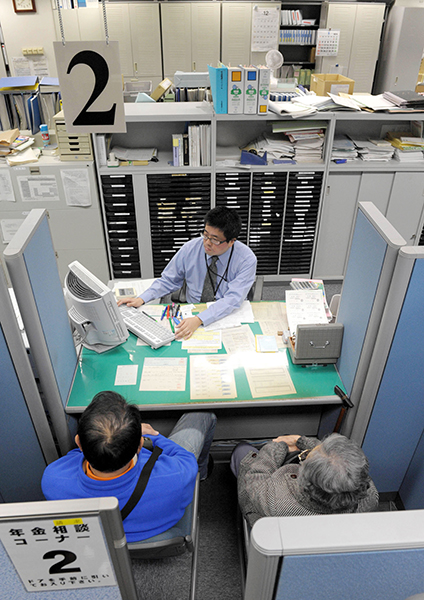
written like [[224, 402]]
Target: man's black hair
[[225, 219], [109, 431]]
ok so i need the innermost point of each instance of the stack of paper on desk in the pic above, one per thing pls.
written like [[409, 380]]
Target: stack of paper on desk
[[343, 148]]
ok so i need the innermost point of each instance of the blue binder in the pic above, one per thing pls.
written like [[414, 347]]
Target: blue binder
[[218, 77]]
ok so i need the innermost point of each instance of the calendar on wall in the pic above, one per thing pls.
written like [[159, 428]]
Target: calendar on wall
[[265, 29], [327, 42]]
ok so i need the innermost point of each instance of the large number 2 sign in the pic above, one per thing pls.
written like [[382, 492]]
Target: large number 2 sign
[[101, 73], [91, 86]]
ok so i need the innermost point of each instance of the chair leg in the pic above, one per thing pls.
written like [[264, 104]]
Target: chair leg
[[241, 548], [193, 583]]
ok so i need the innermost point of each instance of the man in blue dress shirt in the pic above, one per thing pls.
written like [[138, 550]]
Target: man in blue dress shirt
[[227, 265]]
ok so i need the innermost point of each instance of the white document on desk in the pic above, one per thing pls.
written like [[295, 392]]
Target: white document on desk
[[305, 307], [211, 377], [126, 375], [238, 341], [269, 311], [206, 341], [244, 314], [162, 374], [268, 376]]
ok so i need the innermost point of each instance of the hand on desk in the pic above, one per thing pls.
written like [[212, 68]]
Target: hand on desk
[[136, 302], [187, 327], [290, 440], [147, 429]]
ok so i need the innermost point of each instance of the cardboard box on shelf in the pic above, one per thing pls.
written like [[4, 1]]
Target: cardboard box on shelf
[[321, 83]]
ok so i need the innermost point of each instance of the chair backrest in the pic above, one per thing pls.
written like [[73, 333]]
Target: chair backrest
[[174, 541], [255, 292], [327, 557]]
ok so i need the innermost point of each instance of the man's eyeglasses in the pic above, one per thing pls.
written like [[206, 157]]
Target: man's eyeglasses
[[303, 455], [213, 241]]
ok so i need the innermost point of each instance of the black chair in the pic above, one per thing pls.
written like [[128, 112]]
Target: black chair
[[182, 537]]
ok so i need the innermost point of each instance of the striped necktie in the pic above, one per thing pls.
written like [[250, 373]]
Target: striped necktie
[[208, 292]]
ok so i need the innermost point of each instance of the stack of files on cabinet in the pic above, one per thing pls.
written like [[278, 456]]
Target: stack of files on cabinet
[[408, 147], [277, 146], [343, 148], [370, 151], [405, 99], [307, 139]]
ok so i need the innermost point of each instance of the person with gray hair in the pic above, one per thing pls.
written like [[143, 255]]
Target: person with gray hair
[[325, 477]]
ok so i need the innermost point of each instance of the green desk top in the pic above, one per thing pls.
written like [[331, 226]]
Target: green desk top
[[97, 372]]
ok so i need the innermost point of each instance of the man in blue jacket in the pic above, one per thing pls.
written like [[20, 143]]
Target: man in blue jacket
[[110, 457]]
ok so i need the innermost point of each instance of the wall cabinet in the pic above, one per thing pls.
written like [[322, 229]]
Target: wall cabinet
[[135, 26], [360, 27], [190, 36]]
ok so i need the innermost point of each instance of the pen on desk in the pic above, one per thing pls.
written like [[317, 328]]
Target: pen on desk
[[167, 311], [178, 309], [164, 313], [173, 310], [150, 316], [176, 321], [172, 327]]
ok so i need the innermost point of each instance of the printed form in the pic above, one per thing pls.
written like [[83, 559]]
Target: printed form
[[211, 377]]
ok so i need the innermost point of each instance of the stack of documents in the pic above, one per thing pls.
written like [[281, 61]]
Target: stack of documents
[[291, 108], [408, 147], [276, 146], [405, 98], [307, 139], [414, 156], [370, 151], [343, 149], [304, 307]]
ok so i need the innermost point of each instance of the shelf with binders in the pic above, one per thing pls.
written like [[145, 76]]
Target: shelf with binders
[[153, 126], [374, 126]]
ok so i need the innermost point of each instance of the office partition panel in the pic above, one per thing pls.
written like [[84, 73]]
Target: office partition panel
[[31, 263], [394, 387], [372, 256], [26, 441], [328, 557]]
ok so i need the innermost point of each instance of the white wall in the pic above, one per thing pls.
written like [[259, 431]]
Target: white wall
[[28, 30]]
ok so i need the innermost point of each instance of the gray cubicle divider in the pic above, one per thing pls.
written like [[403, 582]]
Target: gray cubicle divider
[[24, 429], [393, 422], [329, 557], [372, 257], [69, 549], [31, 263]]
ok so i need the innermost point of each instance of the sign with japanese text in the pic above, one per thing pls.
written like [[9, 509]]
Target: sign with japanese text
[[90, 80], [52, 554]]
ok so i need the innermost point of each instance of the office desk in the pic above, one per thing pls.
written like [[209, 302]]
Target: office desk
[[313, 407]]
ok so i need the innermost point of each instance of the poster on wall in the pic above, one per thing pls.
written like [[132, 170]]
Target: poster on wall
[[90, 82]]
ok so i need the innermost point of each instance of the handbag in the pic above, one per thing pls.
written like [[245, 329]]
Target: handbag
[[141, 483]]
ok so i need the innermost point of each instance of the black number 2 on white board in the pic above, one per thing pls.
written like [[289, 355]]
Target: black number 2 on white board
[[68, 558], [99, 66]]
